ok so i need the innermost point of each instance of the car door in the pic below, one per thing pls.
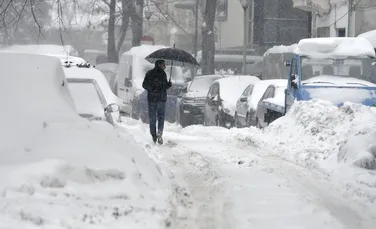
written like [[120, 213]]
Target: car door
[[124, 80], [261, 110], [211, 106], [243, 105]]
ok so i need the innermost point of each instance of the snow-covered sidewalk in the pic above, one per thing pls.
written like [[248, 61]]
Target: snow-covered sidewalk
[[230, 184]]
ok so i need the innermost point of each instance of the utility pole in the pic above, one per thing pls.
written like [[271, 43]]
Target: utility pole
[[196, 30], [245, 5], [350, 17]]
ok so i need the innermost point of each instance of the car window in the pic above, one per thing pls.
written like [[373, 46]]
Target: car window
[[210, 91], [86, 99], [250, 89], [245, 92], [294, 67], [215, 90]]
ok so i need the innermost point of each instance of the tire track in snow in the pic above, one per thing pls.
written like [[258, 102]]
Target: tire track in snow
[[209, 209]]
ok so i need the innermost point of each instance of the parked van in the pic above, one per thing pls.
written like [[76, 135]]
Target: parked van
[[131, 73]]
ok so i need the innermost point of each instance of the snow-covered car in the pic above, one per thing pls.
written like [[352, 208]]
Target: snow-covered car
[[274, 96], [220, 102], [246, 106], [55, 163], [191, 106], [102, 102], [335, 69]]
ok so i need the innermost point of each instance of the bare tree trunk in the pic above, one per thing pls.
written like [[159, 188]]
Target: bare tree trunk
[[124, 24], [113, 55], [208, 42], [137, 22]]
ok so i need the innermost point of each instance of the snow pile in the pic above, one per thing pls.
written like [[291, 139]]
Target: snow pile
[[318, 130], [58, 170], [334, 46]]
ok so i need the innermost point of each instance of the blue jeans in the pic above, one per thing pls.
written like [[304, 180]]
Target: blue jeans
[[156, 112]]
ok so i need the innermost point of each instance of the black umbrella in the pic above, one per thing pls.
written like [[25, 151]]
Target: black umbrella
[[173, 56]]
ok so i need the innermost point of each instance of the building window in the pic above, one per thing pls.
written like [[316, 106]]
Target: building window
[[323, 32], [341, 32], [221, 12]]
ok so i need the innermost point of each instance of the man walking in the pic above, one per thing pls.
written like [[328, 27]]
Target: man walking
[[156, 84]]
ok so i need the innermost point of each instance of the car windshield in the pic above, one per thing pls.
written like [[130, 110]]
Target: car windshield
[[86, 99], [338, 68], [202, 83]]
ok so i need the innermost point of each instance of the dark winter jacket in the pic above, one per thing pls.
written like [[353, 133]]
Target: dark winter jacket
[[156, 84]]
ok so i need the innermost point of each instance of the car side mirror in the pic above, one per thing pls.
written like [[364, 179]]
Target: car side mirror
[[293, 82], [243, 99], [127, 82], [294, 85], [287, 63], [111, 108]]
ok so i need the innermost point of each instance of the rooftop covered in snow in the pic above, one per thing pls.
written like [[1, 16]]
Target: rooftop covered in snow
[[335, 47]]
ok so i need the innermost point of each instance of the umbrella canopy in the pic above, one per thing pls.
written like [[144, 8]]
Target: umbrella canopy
[[173, 56]]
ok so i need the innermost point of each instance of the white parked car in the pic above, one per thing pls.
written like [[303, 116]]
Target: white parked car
[[92, 94], [246, 106]]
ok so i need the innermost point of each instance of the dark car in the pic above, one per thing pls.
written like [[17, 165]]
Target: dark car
[[220, 103], [191, 106]]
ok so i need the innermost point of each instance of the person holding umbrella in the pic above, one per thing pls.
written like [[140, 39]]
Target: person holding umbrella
[[156, 85]]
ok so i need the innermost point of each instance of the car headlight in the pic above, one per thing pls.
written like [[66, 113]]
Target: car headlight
[[190, 100]]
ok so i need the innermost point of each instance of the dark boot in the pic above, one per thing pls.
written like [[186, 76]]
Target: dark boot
[[154, 138], [159, 138]]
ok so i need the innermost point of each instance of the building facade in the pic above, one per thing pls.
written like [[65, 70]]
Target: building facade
[[277, 22], [339, 18]]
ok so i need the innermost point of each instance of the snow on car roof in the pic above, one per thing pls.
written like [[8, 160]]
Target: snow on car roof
[[327, 47], [370, 36]]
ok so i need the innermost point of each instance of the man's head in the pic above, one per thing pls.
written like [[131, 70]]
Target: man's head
[[161, 64]]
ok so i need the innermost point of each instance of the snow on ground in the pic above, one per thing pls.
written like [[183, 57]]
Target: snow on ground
[[226, 181], [338, 143], [58, 170]]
